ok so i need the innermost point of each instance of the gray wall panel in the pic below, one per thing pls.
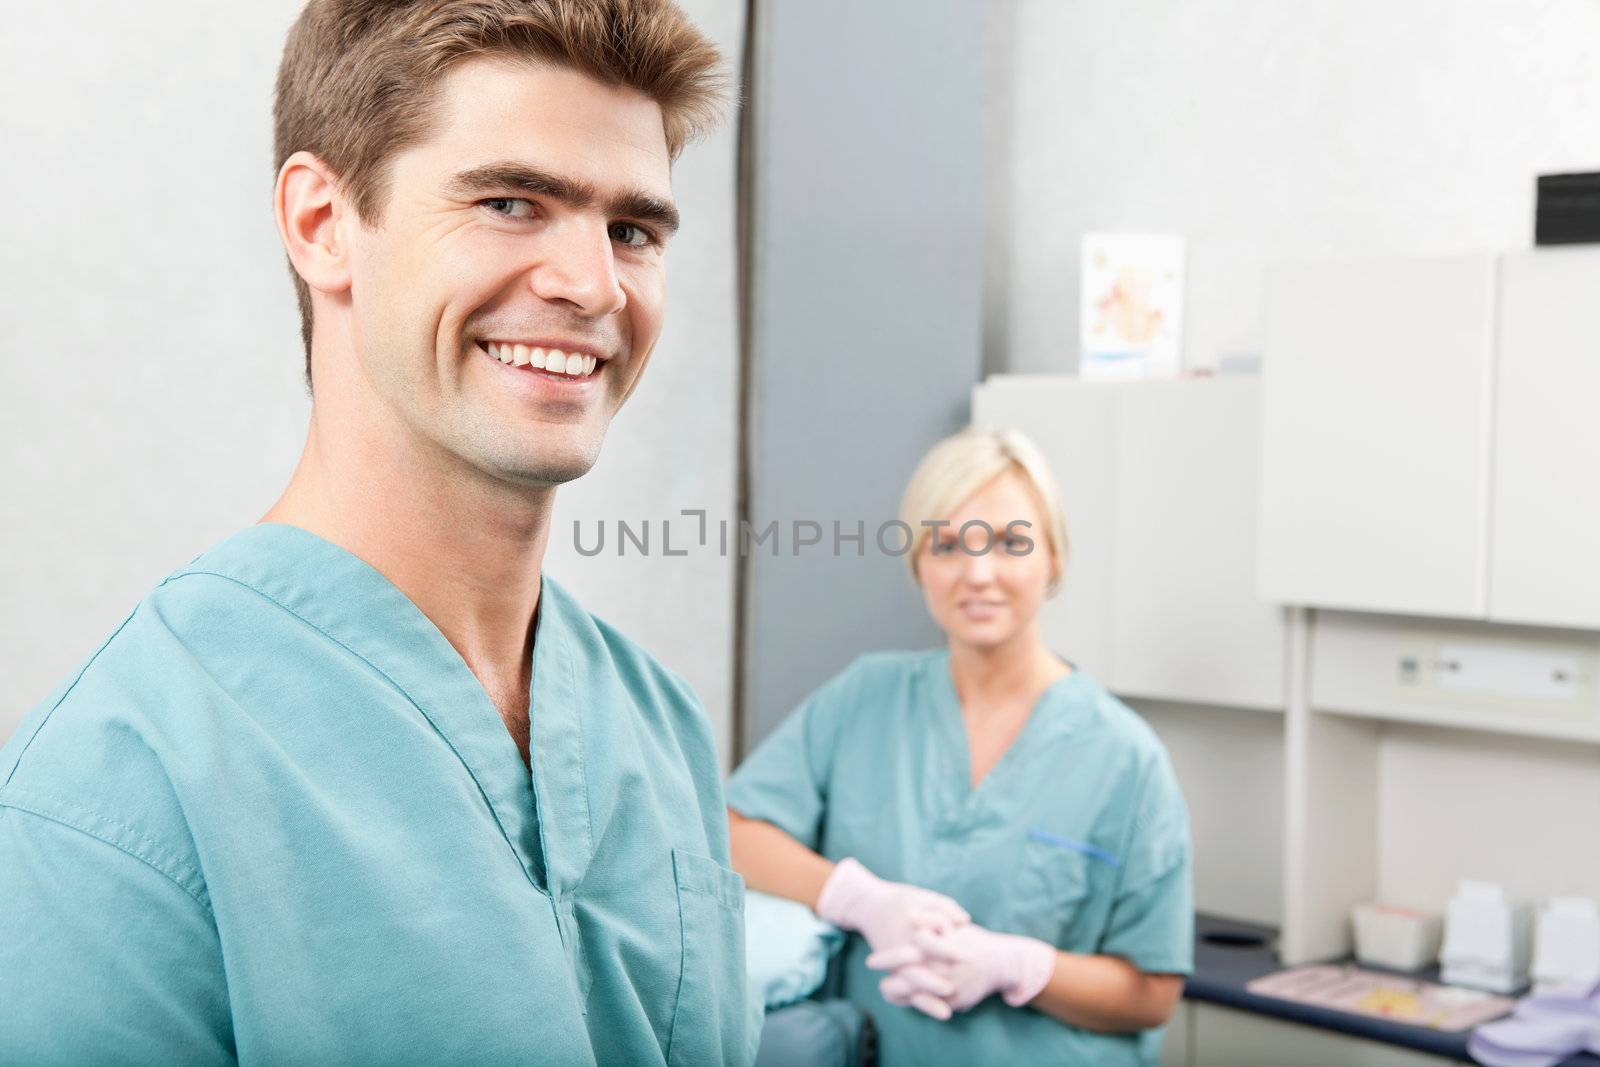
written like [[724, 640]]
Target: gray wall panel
[[865, 323]]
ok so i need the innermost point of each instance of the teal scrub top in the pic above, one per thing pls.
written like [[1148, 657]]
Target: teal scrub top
[[1078, 836], [276, 819]]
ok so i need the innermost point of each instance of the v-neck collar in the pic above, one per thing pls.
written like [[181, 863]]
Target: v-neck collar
[[354, 605], [1054, 712]]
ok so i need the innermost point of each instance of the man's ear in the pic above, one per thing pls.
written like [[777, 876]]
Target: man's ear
[[314, 220]]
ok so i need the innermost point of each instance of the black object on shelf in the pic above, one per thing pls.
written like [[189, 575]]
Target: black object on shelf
[[1234, 938], [1569, 209]]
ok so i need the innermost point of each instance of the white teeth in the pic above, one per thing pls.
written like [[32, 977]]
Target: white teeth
[[551, 360]]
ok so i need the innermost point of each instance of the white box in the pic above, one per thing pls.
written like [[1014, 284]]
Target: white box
[[1401, 939], [1567, 946], [1487, 942]]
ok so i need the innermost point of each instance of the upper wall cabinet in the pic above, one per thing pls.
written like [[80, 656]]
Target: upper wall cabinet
[[1375, 435], [1159, 486], [1076, 428], [1545, 566], [1431, 437], [1186, 621]]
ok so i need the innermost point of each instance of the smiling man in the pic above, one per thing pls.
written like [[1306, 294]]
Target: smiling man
[[361, 784]]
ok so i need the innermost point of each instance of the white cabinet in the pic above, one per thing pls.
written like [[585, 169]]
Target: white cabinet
[[1076, 429], [1546, 516], [1375, 429], [1186, 621], [1159, 486], [1175, 1041], [1431, 437], [1223, 1037]]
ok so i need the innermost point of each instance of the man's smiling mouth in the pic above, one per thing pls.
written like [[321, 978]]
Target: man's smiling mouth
[[554, 362]]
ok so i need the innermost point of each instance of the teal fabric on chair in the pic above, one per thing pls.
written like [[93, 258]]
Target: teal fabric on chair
[[787, 949], [818, 1033]]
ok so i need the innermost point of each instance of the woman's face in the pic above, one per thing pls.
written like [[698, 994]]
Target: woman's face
[[988, 593]]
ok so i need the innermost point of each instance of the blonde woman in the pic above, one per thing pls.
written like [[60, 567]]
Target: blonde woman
[[1007, 838]]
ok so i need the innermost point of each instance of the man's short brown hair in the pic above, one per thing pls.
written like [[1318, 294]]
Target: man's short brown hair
[[359, 78]]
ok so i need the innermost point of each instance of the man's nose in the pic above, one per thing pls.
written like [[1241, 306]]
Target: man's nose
[[579, 268]]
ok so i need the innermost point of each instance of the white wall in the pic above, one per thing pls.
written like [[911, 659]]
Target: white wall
[[1456, 804], [1265, 130], [1230, 766], [154, 401]]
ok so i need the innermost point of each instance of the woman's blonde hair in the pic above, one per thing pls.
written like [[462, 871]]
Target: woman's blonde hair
[[961, 465]]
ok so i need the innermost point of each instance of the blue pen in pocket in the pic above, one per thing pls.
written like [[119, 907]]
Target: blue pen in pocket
[[1084, 847]]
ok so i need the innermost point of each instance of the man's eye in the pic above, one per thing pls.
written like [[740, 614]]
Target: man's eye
[[943, 548], [510, 207], [642, 238]]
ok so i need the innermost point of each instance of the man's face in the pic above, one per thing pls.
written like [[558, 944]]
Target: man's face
[[536, 216]]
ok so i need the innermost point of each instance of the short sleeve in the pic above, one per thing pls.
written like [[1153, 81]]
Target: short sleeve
[[785, 780], [102, 957], [1152, 919]]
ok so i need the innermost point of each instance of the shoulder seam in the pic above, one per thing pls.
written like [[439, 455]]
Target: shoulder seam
[[39, 727], [82, 823], [381, 673]]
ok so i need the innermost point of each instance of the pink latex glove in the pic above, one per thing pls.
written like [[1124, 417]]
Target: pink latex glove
[[885, 913], [976, 961], [914, 984]]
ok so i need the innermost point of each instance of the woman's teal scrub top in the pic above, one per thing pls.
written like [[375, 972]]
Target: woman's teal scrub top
[[1078, 836], [276, 819]]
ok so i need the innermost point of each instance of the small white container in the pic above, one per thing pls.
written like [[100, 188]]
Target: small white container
[[1487, 940], [1401, 939], [1567, 945]]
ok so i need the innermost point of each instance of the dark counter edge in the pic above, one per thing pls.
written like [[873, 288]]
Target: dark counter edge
[[1222, 971]]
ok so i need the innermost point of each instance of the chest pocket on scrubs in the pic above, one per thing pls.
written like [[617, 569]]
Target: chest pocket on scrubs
[[1052, 892], [709, 1020]]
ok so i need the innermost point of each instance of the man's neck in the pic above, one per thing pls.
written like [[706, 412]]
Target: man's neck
[[468, 554]]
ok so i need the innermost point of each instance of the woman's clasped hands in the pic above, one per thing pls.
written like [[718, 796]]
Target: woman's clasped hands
[[949, 969], [940, 962]]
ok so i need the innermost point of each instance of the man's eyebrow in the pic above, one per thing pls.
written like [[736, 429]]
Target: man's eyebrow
[[631, 203]]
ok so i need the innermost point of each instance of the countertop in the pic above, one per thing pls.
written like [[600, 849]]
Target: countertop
[[1222, 970]]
